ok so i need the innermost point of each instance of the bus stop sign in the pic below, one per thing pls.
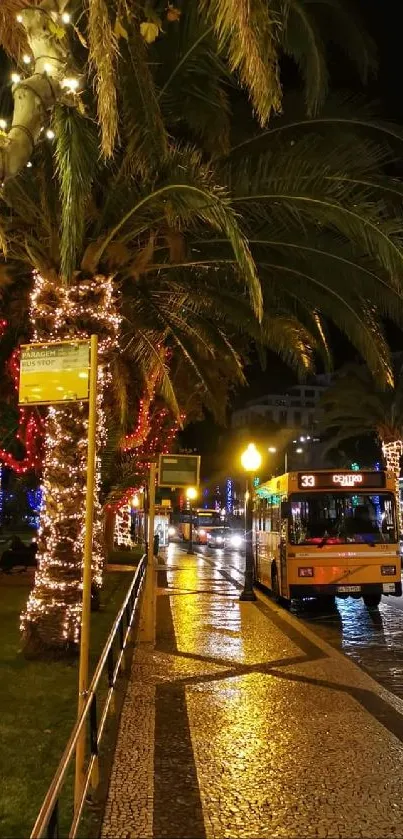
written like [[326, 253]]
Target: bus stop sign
[[179, 470]]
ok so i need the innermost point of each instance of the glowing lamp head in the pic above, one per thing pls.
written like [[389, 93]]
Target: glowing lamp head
[[191, 493], [135, 501], [251, 458]]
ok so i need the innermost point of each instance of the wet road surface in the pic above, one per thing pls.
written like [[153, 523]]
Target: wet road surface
[[374, 640]]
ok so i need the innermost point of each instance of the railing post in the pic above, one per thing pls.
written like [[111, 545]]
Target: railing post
[[121, 642], [110, 665], [52, 831], [94, 742]]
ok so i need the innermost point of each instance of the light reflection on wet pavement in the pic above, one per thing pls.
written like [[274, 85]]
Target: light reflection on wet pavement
[[374, 640]]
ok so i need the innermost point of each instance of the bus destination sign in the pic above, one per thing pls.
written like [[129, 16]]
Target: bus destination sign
[[341, 480]]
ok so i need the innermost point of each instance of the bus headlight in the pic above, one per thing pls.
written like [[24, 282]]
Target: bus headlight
[[388, 570], [305, 572], [171, 531], [236, 541]]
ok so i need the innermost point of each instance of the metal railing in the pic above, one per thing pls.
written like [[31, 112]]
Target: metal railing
[[112, 658]]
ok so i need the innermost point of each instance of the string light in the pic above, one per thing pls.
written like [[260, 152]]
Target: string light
[[15, 78], [3, 124], [26, 59], [53, 611], [392, 453], [29, 432], [70, 84], [50, 134], [66, 18]]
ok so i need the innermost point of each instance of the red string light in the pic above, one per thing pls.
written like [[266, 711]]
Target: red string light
[[29, 431]]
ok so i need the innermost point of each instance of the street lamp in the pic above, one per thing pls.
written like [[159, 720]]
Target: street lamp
[[191, 494], [251, 461]]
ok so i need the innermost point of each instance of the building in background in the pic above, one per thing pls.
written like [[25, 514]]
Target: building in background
[[296, 408]]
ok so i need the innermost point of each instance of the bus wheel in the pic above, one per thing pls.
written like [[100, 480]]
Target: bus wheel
[[372, 601], [327, 601]]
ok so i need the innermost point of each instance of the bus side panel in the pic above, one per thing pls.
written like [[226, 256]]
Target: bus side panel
[[267, 549]]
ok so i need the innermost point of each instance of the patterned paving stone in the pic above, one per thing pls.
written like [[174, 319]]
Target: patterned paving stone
[[243, 723]]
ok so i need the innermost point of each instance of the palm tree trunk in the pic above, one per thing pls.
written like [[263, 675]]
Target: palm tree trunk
[[392, 453], [52, 617]]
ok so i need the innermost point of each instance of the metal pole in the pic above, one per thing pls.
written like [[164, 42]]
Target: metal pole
[[151, 512], [285, 462], [149, 607], [248, 592], [86, 599], [190, 545]]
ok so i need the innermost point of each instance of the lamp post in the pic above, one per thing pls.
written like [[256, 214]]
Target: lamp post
[[251, 461], [191, 494]]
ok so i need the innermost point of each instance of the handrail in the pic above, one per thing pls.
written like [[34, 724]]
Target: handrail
[[47, 819]]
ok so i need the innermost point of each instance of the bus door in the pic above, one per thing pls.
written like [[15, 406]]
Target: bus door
[[282, 548]]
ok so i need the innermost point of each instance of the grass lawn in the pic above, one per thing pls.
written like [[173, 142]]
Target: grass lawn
[[126, 557], [38, 703]]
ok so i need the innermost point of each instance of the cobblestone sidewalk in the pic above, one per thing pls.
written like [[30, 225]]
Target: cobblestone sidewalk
[[243, 723]]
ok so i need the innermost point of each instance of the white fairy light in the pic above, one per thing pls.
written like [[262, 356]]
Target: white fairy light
[[47, 68], [29, 165], [3, 124], [26, 59], [19, 18], [58, 580], [50, 134], [71, 84], [15, 78], [66, 18]]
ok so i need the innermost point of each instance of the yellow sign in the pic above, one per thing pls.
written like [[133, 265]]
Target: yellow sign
[[54, 372]]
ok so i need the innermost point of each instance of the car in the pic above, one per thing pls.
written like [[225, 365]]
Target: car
[[224, 537]]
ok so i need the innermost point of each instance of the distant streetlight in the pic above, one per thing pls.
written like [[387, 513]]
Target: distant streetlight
[[191, 494], [251, 461], [272, 450]]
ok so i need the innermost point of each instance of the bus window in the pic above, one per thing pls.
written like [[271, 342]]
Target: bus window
[[342, 518]]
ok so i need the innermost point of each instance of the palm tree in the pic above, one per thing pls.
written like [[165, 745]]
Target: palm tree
[[217, 37], [356, 405], [142, 244]]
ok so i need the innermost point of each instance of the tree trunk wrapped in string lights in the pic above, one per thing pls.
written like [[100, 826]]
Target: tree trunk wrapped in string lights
[[392, 453], [53, 613]]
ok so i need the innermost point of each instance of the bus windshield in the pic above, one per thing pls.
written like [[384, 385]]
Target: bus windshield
[[340, 518]]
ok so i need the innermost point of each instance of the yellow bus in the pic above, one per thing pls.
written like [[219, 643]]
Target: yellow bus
[[328, 533]]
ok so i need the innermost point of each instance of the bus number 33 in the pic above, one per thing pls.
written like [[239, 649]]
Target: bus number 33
[[308, 480]]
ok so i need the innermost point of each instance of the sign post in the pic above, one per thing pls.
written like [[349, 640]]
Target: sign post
[[55, 373], [86, 608], [148, 621]]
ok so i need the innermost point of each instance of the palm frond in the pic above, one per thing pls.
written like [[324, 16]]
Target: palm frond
[[12, 35], [144, 130], [247, 32], [308, 26], [102, 58], [194, 82], [76, 164]]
